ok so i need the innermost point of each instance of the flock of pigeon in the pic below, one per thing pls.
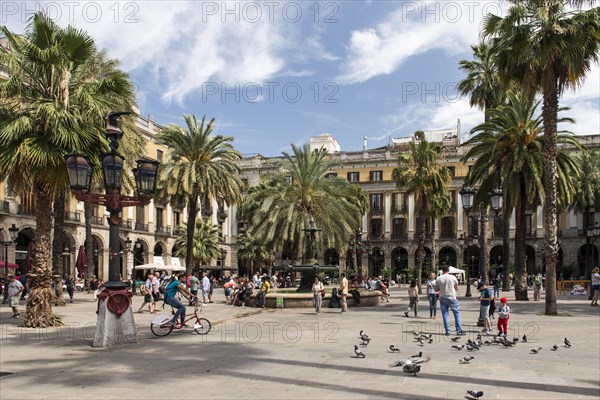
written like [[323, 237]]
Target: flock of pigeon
[[412, 365]]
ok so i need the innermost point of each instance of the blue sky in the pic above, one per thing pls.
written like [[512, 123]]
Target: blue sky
[[277, 72]]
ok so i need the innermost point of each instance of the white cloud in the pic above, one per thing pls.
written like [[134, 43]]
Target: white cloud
[[407, 32]]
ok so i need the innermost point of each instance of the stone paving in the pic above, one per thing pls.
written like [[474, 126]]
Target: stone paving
[[293, 353]]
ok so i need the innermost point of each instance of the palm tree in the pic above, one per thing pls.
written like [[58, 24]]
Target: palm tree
[[48, 111], [250, 250], [205, 246], [487, 90], [547, 47], [282, 206], [483, 82], [587, 194], [508, 153], [421, 175], [197, 165]]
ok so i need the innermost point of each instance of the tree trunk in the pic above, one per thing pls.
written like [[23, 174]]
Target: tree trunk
[[191, 227], [89, 245], [39, 303], [483, 255], [520, 247], [57, 245], [506, 250], [422, 226], [549, 153]]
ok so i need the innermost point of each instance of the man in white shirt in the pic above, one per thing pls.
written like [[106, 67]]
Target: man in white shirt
[[447, 285], [256, 280], [14, 291], [205, 288]]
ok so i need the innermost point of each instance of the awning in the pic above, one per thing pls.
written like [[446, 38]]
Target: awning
[[30, 250], [10, 266], [81, 261]]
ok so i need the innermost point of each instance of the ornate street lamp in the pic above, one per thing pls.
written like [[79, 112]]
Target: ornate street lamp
[[66, 263], [13, 231], [108, 331], [127, 250], [495, 197]]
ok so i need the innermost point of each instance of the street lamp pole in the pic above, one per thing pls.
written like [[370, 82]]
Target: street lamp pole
[[14, 233], [495, 196], [114, 301], [127, 249], [462, 244]]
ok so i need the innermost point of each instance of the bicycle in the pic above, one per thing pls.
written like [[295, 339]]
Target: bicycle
[[162, 326]]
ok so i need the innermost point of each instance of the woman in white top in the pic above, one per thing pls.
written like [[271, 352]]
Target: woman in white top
[[317, 287], [432, 296], [596, 285]]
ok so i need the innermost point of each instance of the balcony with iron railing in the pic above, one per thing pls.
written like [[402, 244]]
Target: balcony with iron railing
[[376, 211], [400, 236], [399, 209], [25, 210], [95, 220], [139, 226], [6, 207], [163, 230], [447, 235], [72, 216], [127, 224]]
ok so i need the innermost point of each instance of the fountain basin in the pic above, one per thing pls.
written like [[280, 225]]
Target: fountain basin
[[368, 298]]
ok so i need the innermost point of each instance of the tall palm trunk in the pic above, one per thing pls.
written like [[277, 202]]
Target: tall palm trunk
[[41, 295], [520, 233], [57, 245], [191, 226], [89, 245], [549, 154], [422, 226], [506, 250]]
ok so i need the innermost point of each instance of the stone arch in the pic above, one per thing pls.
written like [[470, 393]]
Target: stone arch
[[471, 257], [399, 261], [530, 257], [140, 254], [447, 255], [25, 236], [160, 249], [495, 260]]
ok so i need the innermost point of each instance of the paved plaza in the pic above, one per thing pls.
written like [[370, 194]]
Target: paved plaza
[[292, 353]]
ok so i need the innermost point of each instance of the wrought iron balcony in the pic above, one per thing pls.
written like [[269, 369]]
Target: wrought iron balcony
[[97, 220], [139, 226], [72, 216], [376, 211], [163, 230]]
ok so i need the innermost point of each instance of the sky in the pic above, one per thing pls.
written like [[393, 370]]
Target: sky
[[273, 73]]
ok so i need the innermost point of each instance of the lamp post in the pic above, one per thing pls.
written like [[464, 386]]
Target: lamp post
[[108, 330], [13, 231], [127, 250], [358, 247], [223, 255], [468, 195], [592, 234], [66, 264], [463, 243]]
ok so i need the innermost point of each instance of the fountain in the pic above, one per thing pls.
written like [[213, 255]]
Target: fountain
[[310, 268]]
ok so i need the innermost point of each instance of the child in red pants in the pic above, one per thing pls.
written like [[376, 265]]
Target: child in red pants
[[504, 315]]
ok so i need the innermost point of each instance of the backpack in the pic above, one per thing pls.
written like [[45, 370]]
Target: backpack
[[162, 289], [492, 307]]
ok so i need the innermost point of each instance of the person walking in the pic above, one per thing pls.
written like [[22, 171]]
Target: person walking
[[413, 297], [317, 289], [15, 287], [595, 286], [70, 284], [205, 288], [447, 285], [343, 292], [194, 282], [503, 316], [497, 285], [432, 296], [94, 285], [484, 307], [537, 287], [146, 291]]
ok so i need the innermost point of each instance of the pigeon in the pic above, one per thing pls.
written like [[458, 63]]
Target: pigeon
[[361, 334], [479, 337], [515, 340], [359, 354], [418, 355], [365, 338], [458, 347], [430, 341], [524, 339], [410, 366], [365, 343], [466, 360], [394, 348], [554, 348], [567, 343], [416, 333], [536, 350], [454, 339], [487, 342], [475, 394], [506, 344], [428, 336]]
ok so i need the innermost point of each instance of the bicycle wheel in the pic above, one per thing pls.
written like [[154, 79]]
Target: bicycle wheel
[[202, 326], [161, 326]]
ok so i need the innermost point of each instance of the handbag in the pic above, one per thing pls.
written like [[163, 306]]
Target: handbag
[[323, 293]]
